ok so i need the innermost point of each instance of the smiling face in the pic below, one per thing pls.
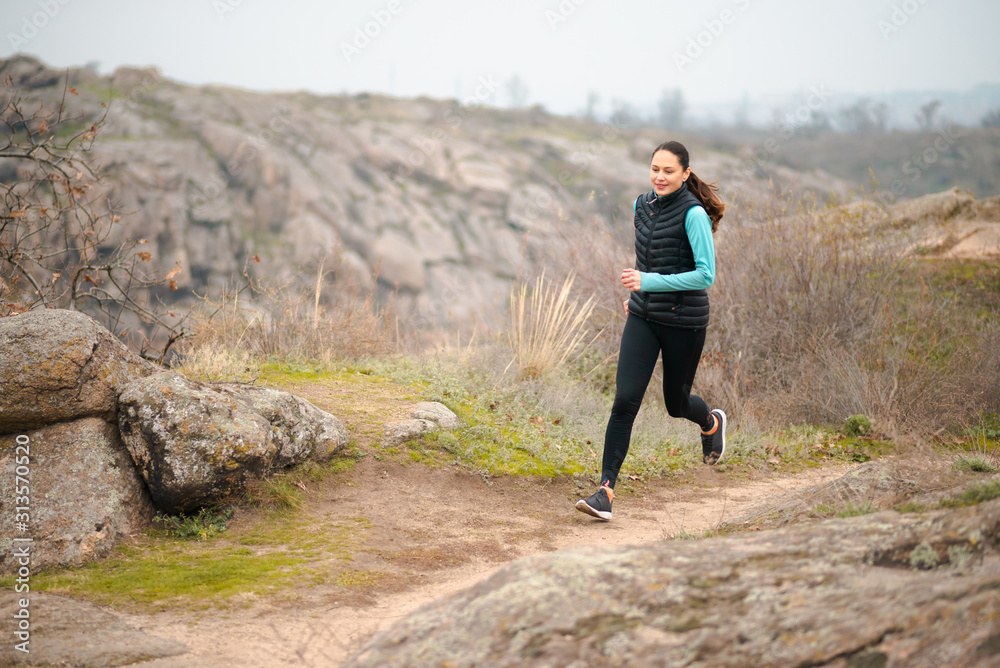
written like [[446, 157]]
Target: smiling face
[[665, 173]]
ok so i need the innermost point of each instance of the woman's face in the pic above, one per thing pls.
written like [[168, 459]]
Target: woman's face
[[665, 173]]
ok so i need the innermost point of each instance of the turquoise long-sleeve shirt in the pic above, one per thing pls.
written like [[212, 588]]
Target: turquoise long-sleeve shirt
[[699, 231]]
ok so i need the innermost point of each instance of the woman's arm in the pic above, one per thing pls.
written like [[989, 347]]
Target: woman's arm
[[699, 231]]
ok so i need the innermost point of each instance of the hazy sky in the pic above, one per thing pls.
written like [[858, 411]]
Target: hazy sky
[[626, 50]]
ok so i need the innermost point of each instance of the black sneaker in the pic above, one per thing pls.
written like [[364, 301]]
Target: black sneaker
[[598, 504], [713, 442]]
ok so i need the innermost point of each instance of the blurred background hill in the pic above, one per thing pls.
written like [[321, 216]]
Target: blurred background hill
[[438, 205]]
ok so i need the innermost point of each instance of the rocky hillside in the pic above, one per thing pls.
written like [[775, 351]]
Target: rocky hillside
[[442, 201]]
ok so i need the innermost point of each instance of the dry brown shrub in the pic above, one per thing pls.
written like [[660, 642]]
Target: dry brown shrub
[[263, 319], [815, 316]]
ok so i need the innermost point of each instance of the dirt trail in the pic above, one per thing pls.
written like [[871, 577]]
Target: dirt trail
[[433, 531]]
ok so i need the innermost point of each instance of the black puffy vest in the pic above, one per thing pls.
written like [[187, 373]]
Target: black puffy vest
[[662, 246]]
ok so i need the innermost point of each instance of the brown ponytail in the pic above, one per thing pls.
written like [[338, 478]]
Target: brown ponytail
[[707, 193]]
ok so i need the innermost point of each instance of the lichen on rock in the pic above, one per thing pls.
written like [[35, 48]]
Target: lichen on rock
[[85, 493], [195, 442], [59, 365]]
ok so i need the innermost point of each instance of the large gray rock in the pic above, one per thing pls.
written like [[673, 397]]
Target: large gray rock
[[65, 632], [879, 590], [83, 493], [58, 365], [984, 210], [436, 412], [195, 442]]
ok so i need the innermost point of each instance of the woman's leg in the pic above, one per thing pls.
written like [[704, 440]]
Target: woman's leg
[[636, 359], [681, 353]]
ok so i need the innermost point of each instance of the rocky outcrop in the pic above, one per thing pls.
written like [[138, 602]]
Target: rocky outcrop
[[936, 207], [196, 442], [81, 493], [57, 366], [882, 589], [875, 485], [952, 224], [72, 484], [446, 201]]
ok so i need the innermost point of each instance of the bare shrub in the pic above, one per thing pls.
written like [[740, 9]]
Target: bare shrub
[[56, 229], [814, 321], [595, 254], [817, 314]]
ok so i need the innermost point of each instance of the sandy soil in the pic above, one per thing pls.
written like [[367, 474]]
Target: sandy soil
[[434, 531]]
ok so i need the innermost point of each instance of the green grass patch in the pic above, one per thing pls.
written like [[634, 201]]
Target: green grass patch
[[283, 492], [806, 445], [283, 372], [973, 496], [911, 507], [988, 429], [358, 578], [850, 509], [206, 523], [856, 510], [856, 425], [505, 433], [288, 489], [516, 425], [975, 465], [164, 574], [555, 426], [274, 551], [684, 534]]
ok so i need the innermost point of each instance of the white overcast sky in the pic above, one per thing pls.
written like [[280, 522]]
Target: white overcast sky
[[625, 50]]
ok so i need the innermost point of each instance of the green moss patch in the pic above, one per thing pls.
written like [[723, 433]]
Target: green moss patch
[[974, 495], [272, 552]]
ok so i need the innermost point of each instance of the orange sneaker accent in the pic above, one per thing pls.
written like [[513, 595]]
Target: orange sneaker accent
[[611, 492], [714, 427]]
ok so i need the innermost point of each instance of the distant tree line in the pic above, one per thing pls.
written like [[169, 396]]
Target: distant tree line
[[864, 116]]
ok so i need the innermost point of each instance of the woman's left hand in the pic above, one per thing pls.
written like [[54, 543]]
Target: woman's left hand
[[632, 279]]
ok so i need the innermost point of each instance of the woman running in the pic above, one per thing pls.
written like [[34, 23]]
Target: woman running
[[667, 312]]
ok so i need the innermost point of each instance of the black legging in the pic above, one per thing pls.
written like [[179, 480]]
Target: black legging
[[642, 343]]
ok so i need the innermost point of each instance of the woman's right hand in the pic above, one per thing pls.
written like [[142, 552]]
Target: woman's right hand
[[625, 305]]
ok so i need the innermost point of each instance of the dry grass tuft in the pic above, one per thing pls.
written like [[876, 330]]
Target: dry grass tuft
[[236, 333], [547, 328]]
